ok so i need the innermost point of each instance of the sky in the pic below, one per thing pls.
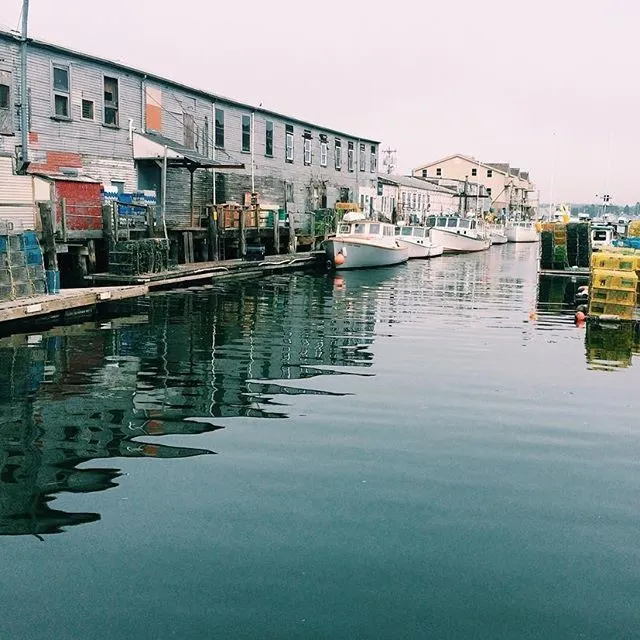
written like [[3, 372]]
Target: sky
[[549, 86]]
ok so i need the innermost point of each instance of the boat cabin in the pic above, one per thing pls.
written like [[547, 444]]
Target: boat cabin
[[454, 224], [365, 228], [412, 232], [601, 236]]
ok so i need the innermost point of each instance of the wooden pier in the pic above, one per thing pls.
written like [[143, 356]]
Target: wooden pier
[[196, 272], [67, 302]]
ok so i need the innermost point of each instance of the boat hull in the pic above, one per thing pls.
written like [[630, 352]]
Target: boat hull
[[522, 234], [362, 255], [420, 250], [498, 238], [453, 242]]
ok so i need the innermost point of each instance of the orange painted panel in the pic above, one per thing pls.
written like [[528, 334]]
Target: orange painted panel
[[154, 117]]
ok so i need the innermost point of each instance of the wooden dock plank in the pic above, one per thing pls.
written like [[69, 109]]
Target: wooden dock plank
[[67, 299]]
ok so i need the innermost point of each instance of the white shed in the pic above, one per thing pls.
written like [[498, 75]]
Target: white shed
[[19, 197]]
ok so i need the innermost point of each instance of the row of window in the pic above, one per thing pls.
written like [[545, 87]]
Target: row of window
[[307, 153], [474, 172], [414, 200], [61, 91]]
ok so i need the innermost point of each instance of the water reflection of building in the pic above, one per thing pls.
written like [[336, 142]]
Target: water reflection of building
[[83, 393]]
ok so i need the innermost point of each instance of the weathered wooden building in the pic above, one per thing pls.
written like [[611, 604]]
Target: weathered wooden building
[[127, 129]]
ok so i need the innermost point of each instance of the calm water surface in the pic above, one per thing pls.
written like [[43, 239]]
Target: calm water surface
[[429, 451]]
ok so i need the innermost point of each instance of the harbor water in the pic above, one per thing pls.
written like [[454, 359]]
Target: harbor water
[[433, 450]]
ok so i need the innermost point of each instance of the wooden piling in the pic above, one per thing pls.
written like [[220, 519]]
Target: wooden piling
[[48, 236]]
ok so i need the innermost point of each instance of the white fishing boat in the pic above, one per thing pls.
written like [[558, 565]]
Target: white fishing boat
[[601, 236], [359, 244], [521, 231], [497, 233], [418, 242], [458, 235]]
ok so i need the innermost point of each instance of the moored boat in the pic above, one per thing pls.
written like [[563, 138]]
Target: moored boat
[[418, 242], [497, 234], [521, 231], [457, 235], [360, 244]]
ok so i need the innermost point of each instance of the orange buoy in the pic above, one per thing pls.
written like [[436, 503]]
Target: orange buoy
[[339, 259]]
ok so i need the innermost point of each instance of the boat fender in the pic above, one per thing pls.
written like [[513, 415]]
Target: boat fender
[[580, 318], [339, 259]]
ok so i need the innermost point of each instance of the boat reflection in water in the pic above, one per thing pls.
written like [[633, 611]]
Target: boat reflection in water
[[187, 359]]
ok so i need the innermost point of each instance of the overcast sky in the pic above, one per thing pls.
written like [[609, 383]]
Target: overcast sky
[[547, 85]]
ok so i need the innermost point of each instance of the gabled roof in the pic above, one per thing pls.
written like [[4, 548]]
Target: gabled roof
[[14, 36], [469, 159], [499, 166]]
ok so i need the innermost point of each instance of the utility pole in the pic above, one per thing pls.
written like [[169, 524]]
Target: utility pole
[[389, 159], [24, 100]]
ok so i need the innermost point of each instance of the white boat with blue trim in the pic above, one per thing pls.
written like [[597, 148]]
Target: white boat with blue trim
[[361, 244], [418, 242], [458, 235]]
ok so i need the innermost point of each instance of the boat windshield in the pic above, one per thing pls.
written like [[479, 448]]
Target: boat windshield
[[431, 221], [344, 228], [452, 222], [374, 229], [418, 232], [360, 227], [465, 224], [599, 234], [442, 222], [406, 231]]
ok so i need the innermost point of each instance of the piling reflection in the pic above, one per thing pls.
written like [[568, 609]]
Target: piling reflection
[[186, 360]]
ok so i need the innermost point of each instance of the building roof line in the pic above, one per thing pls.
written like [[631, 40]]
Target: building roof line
[[214, 97]]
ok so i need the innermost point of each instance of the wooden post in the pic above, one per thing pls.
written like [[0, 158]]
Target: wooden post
[[243, 239], [212, 233], [116, 221], [48, 236], [64, 219], [191, 171], [292, 233], [276, 231], [91, 256], [107, 226]]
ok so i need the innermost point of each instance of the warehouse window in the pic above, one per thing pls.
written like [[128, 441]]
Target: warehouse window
[[219, 128], [324, 150], [307, 147], [111, 103], [6, 112], [61, 91], [362, 158], [268, 138], [205, 137], [489, 173], [246, 133], [438, 172], [374, 159], [474, 172], [87, 110], [338, 149], [350, 156], [289, 143], [4, 96]]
